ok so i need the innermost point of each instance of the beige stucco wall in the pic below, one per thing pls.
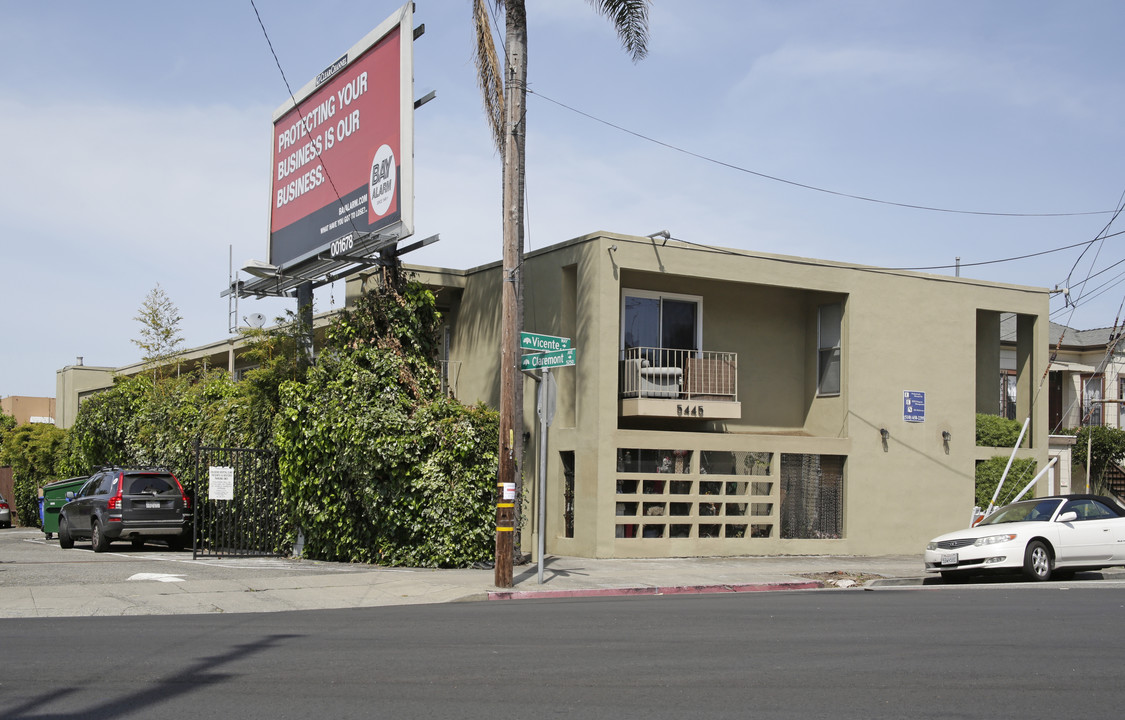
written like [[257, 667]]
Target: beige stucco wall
[[901, 332], [72, 384]]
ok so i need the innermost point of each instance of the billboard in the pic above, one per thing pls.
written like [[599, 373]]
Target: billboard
[[343, 150]]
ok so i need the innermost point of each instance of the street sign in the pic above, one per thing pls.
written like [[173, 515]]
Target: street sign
[[558, 358], [542, 343]]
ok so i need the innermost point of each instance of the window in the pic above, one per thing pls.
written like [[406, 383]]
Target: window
[[1091, 395], [567, 457], [812, 496], [1008, 394], [828, 322], [660, 321], [1089, 510], [108, 484], [151, 484]]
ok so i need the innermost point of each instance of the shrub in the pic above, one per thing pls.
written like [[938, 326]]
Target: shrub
[[988, 475], [995, 431]]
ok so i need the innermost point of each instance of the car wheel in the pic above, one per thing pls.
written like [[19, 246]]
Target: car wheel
[[98, 539], [1037, 561], [66, 542]]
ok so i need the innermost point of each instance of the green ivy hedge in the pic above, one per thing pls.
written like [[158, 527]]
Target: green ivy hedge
[[376, 464], [377, 470]]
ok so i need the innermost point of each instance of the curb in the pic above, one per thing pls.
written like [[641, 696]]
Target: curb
[[665, 590]]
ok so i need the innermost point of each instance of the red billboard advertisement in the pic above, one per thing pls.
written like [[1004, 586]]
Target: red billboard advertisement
[[343, 149]]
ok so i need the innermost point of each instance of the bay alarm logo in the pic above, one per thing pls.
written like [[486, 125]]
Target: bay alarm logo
[[382, 188]]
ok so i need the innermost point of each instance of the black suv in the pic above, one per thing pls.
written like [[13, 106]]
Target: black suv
[[119, 504]]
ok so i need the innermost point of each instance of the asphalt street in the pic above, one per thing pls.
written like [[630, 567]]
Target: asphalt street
[[1027, 651]]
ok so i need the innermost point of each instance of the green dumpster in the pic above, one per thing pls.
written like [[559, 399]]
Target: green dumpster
[[53, 497]]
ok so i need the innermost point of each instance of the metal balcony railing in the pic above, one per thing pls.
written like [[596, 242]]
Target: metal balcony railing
[[651, 372]]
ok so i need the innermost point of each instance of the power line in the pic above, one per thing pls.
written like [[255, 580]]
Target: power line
[[293, 98], [805, 186], [1010, 259]]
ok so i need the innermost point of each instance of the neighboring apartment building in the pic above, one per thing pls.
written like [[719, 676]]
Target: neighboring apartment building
[[75, 383], [1086, 379], [735, 403], [29, 409]]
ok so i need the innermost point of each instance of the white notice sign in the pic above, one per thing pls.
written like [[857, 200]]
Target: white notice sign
[[221, 483]]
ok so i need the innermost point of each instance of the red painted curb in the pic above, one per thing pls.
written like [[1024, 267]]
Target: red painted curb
[[666, 590]]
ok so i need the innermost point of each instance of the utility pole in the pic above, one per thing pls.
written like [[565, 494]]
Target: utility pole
[[511, 379]]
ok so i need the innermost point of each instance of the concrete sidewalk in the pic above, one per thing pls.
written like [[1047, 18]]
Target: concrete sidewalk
[[173, 583]]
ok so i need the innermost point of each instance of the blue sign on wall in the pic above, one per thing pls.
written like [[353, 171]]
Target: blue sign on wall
[[913, 406]]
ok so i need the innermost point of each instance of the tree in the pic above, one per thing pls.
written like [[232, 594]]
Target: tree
[[7, 424], [1106, 446], [34, 451], [160, 339], [504, 90]]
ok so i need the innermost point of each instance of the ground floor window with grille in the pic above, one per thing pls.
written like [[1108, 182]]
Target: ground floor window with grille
[[812, 496], [567, 457]]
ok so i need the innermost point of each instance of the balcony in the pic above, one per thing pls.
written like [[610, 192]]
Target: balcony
[[695, 384]]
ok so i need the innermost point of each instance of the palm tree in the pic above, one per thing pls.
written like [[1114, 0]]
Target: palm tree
[[504, 88]]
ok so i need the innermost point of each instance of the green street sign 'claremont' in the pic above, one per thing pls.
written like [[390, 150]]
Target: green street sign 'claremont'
[[542, 343], [556, 358]]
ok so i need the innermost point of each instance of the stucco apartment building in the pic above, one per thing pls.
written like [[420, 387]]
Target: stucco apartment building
[[726, 402]]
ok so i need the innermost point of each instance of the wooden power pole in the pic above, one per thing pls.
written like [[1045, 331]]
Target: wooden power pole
[[511, 380]]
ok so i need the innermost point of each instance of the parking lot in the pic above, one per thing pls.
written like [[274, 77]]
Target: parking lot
[[28, 559]]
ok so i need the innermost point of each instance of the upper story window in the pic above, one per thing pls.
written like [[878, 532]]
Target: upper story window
[[1091, 395], [661, 321], [829, 320]]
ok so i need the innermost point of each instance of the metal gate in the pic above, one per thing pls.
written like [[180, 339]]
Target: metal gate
[[238, 505]]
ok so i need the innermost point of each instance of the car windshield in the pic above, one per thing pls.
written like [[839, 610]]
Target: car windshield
[[1029, 511]]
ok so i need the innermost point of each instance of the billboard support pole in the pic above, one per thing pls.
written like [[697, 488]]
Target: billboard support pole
[[305, 321]]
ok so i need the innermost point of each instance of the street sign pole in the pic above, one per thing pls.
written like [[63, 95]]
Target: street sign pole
[[547, 391]]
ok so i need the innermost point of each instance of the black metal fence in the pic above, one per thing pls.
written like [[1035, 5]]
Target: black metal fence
[[238, 510]]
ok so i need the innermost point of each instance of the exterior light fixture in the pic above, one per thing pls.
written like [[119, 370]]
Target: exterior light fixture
[[257, 268]]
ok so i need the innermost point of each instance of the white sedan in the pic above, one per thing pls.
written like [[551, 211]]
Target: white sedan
[[1044, 537]]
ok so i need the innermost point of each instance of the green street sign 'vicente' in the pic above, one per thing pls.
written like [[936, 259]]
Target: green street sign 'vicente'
[[556, 358], [542, 343]]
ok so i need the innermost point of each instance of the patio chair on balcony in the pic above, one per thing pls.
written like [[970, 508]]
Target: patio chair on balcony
[[644, 380]]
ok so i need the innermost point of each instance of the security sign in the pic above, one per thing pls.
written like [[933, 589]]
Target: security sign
[[913, 406]]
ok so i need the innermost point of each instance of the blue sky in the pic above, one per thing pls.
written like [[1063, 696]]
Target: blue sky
[[137, 141]]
